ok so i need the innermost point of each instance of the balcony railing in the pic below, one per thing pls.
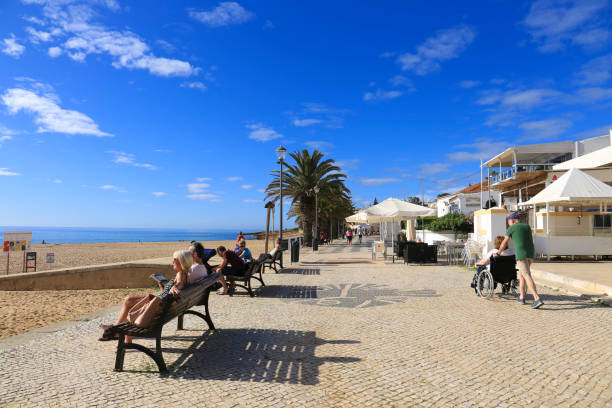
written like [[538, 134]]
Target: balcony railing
[[510, 172]]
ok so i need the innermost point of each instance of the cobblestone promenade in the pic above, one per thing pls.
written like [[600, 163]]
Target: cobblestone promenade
[[339, 330]]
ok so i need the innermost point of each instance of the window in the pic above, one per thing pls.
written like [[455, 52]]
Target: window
[[601, 221]]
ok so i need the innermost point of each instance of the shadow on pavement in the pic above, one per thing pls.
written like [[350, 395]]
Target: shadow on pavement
[[258, 355], [301, 271], [287, 292]]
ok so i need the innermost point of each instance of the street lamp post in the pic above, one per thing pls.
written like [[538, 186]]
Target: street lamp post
[[316, 239], [281, 152]]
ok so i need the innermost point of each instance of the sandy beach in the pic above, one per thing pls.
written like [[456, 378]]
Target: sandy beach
[[24, 311]]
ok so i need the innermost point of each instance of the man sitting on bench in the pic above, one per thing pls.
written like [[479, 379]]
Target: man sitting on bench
[[231, 265]]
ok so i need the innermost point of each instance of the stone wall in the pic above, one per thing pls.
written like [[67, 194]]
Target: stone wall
[[111, 276]]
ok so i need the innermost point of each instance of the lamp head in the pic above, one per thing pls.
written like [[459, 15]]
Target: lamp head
[[281, 152], [316, 189]]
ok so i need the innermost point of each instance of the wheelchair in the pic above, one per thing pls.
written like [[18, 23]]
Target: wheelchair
[[503, 272]]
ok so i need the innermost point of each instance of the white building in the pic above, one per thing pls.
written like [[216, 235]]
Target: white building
[[467, 201]]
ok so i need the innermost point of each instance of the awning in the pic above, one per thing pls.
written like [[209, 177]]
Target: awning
[[574, 186]]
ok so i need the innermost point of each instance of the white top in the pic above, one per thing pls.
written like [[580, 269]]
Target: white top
[[197, 271], [505, 252]]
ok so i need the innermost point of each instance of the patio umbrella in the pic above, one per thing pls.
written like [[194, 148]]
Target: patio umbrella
[[393, 209]]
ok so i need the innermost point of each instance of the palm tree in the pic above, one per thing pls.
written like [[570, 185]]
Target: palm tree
[[299, 180]]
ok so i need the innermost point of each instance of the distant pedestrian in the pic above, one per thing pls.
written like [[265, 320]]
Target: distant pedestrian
[[349, 237], [360, 234], [525, 253]]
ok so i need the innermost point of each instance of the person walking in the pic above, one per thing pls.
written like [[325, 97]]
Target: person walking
[[349, 237], [360, 234], [525, 252]]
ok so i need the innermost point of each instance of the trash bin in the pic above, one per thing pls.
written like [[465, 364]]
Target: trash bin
[[315, 244], [284, 244], [295, 250]]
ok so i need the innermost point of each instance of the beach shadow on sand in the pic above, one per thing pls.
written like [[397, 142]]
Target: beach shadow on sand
[[255, 355]]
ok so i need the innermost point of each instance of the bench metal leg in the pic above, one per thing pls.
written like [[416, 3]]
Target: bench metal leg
[[120, 353], [179, 322], [211, 326], [156, 355]]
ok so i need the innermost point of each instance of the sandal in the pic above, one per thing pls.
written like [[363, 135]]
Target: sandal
[[222, 292]]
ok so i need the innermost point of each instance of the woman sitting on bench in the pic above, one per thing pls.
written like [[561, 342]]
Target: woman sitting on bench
[[182, 262]]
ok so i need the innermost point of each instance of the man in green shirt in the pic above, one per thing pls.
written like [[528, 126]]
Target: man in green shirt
[[525, 252]]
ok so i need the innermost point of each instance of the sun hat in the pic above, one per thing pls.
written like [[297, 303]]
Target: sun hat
[[513, 216]]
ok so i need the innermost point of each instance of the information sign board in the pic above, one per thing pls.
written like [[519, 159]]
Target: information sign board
[[17, 241], [50, 258]]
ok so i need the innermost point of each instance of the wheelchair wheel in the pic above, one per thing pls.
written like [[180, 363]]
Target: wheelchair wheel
[[485, 284]]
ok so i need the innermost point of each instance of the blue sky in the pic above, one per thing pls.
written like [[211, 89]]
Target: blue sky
[[167, 114]]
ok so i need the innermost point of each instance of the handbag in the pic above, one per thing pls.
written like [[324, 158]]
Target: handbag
[[144, 312]]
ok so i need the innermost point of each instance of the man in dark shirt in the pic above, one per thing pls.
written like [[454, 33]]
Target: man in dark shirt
[[231, 265]]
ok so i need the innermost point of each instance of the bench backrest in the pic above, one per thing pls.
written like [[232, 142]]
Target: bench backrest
[[173, 306]]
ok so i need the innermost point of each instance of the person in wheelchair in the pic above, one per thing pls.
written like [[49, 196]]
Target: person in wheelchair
[[486, 261]]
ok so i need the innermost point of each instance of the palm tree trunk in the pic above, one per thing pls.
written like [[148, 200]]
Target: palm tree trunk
[[308, 221]]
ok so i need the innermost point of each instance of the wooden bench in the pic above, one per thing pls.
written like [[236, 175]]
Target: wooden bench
[[274, 262], [171, 307], [253, 268]]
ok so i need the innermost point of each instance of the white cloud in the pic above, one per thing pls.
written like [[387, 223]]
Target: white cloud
[[432, 169], [4, 139], [468, 83], [5, 172], [201, 179], [126, 49], [197, 187], [377, 181], [113, 188], [128, 158], [158, 194], [306, 122], [261, 190], [37, 36], [246, 186], [54, 52], [520, 98], [591, 95], [319, 145], [479, 149], [554, 24], [400, 80], [57, 181], [234, 178], [205, 197], [252, 201], [261, 133], [49, 116], [6, 134], [312, 113], [444, 45], [195, 85], [226, 13], [597, 71], [381, 95], [348, 164], [388, 54], [12, 48], [598, 131], [545, 129]]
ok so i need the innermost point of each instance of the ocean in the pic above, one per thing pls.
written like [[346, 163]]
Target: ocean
[[58, 235]]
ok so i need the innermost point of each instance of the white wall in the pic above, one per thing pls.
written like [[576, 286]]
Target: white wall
[[431, 236]]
